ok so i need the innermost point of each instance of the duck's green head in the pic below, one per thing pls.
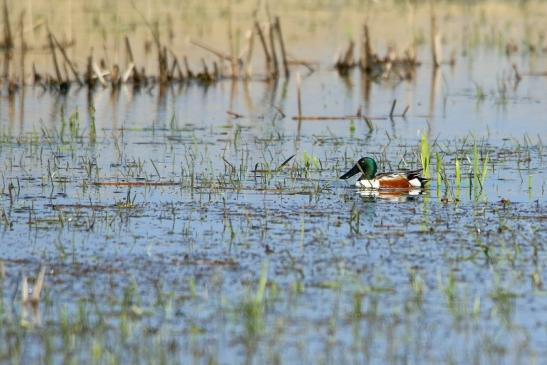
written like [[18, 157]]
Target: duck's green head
[[366, 165]]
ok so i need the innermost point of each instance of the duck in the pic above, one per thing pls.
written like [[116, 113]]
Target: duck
[[398, 180]]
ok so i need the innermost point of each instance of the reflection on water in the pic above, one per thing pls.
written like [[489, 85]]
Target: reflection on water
[[390, 195]]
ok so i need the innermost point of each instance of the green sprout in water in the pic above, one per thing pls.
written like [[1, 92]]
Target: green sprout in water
[[425, 156], [310, 161], [74, 124], [458, 178], [479, 172], [479, 92], [352, 128], [252, 308], [439, 161]]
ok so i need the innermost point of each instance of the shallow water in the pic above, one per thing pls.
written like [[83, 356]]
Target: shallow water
[[205, 258]]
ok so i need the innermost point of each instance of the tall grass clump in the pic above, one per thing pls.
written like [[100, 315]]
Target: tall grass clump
[[479, 171], [458, 178], [439, 168], [458, 174], [425, 156], [252, 308]]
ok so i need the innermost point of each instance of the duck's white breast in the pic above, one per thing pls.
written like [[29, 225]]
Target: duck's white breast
[[368, 184]]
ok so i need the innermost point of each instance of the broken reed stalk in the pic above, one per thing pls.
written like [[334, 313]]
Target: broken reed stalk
[[131, 61], [366, 52], [176, 67], [23, 45], [54, 58], [67, 60], [99, 73], [298, 96], [8, 39], [277, 25], [88, 77], [66, 74], [212, 50], [435, 40], [217, 73], [7, 60], [299, 106], [129, 52], [233, 63], [264, 47], [271, 34], [346, 60], [348, 57], [162, 64], [189, 72], [205, 76], [128, 72]]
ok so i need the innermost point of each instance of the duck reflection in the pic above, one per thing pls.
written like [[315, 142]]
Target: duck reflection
[[390, 195]]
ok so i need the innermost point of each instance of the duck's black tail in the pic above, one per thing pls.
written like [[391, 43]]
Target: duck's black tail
[[417, 174]]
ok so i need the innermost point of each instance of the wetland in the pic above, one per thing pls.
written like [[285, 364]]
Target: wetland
[[200, 219]]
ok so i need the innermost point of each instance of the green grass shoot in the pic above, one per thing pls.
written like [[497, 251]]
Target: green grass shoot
[[424, 156]]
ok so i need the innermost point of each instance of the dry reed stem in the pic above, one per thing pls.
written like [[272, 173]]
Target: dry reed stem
[[54, 58], [271, 34], [282, 46], [176, 67], [216, 52], [131, 61], [88, 77], [366, 52], [298, 96], [99, 74], [129, 51], [435, 39], [234, 71], [127, 74], [189, 72], [264, 47], [8, 39], [67, 60]]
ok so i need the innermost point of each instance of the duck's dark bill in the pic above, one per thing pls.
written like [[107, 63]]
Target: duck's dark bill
[[354, 170]]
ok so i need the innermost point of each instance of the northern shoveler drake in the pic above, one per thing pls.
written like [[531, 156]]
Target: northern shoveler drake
[[399, 180]]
